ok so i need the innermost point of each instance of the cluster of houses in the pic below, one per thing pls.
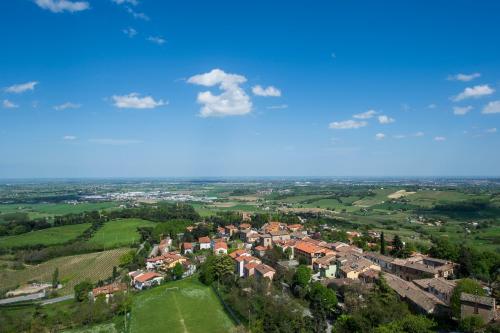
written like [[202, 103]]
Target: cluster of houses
[[423, 282]]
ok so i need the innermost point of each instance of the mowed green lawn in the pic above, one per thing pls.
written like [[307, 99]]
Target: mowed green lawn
[[50, 236], [119, 232], [189, 307]]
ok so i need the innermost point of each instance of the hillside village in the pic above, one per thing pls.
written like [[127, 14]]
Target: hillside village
[[426, 284]]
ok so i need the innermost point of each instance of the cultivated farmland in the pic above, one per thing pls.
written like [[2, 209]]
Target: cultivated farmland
[[72, 270], [119, 232], [50, 236], [181, 306]]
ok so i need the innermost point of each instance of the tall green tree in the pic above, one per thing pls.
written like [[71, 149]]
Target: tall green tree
[[55, 278], [382, 243]]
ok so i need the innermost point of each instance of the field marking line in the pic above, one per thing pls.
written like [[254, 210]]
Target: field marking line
[[180, 314]]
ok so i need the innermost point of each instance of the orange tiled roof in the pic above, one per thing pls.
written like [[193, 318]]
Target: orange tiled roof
[[147, 276], [237, 253], [220, 245], [204, 240]]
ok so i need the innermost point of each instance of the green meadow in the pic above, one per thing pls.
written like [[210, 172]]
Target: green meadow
[[119, 232], [50, 236]]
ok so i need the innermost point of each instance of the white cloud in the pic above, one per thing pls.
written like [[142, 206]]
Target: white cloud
[[380, 136], [491, 130], [492, 107], [419, 134], [134, 101], [59, 6], [157, 40], [474, 92], [67, 105], [347, 124], [130, 32], [365, 115], [22, 87], [9, 105], [277, 107], [233, 101], [432, 106], [137, 15], [463, 77], [121, 2], [461, 110], [115, 142], [266, 92], [385, 119], [439, 138], [69, 137]]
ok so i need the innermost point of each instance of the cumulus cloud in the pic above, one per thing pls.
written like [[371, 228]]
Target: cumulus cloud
[[385, 119], [492, 107], [130, 32], [67, 105], [439, 138], [135, 101], [463, 77], [277, 107], [347, 124], [9, 105], [461, 110], [366, 115], [21, 87], [266, 92], [59, 6], [491, 130], [474, 92], [233, 101], [69, 138], [115, 142], [379, 136], [157, 40]]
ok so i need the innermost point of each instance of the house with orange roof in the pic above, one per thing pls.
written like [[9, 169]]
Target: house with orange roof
[[230, 230], [165, 245], [187, 248], [309, 252], [220, 248], [245, 226], [294, 227], [204, 243], [249, 269], [261, 250], [146, 280], [263, 271], [109, 290]]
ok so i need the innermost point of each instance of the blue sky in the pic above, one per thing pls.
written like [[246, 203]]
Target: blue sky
[[129, 88]]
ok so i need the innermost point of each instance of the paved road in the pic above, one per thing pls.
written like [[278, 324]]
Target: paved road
[[57, 299], [35, 297], [16, 299]]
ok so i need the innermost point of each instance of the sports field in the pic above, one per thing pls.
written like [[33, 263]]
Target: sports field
[[119, 232], [181, 306], [72, 270], [50, 236]]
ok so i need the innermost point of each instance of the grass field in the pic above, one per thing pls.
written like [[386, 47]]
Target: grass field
[[50, 236], [119, 232], [49, 209], [72, 270], [190, 307]]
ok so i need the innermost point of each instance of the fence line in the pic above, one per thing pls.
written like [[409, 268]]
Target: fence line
[[233, 316]]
